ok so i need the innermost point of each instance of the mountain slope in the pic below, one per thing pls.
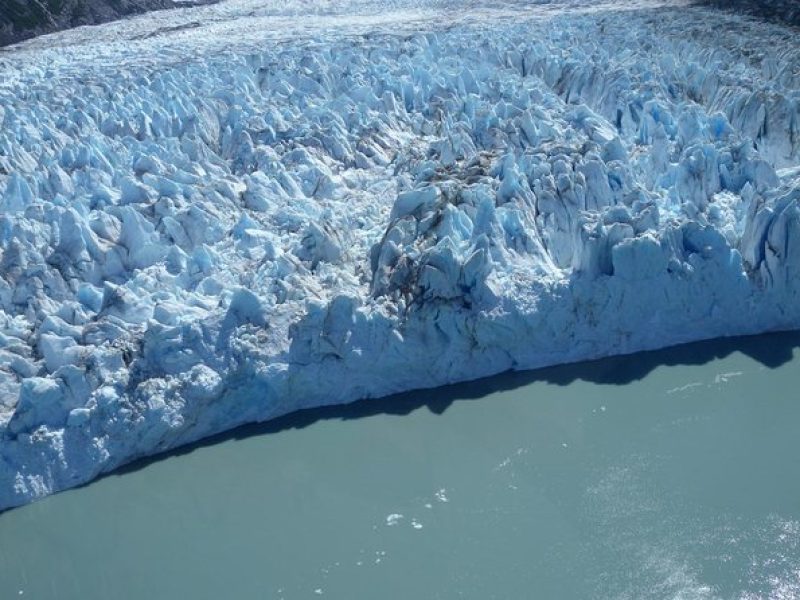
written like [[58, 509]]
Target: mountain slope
[[787, 11], [22, 19]]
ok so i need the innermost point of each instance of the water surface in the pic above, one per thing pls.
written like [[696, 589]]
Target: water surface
[[673, 474]]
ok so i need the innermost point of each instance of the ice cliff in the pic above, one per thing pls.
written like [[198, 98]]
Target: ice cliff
[[198, 232]]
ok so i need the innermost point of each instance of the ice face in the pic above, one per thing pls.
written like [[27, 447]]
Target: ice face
[[191, 240]]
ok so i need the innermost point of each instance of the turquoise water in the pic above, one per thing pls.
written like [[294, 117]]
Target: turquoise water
[[673, 474]]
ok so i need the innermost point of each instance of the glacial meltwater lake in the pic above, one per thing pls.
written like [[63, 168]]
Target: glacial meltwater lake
[[673, 474]]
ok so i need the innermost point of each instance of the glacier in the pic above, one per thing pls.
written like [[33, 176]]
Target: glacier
[[222, 214]]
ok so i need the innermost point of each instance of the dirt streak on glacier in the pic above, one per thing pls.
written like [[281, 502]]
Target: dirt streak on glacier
[[189, 245]]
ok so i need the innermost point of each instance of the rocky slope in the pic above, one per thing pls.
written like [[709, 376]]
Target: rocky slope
[[22, 19], [786, 11]]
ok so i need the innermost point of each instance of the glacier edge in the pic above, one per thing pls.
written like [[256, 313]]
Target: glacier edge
[[187, 247]]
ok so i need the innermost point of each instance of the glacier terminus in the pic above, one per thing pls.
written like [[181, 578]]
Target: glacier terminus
[[216, 215]]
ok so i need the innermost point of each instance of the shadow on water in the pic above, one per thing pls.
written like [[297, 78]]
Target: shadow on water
[[770, 350]]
